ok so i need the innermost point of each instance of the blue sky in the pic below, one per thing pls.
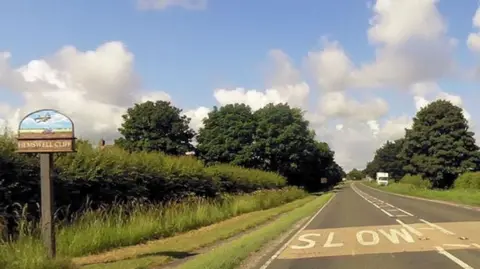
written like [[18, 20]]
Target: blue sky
[[184, 51], [189, 53]]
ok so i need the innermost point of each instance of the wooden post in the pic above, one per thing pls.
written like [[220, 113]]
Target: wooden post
[[48, 229]]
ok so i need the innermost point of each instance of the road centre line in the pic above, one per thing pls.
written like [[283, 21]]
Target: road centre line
[[386, 212], [369, 199], [443, 230], [456, 260], [281, 249], [410, 228]]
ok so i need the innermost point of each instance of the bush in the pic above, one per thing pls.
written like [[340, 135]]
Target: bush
[[98, 178], [469, 180], [416, 181]]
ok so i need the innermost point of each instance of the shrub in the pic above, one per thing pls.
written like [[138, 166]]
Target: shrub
[[97, 178], [416, 181], [468, 180]]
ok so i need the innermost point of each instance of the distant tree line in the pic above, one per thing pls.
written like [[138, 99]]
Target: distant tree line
[[438, 147], [274, 138]]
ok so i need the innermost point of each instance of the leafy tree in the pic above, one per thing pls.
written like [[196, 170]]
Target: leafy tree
[[156, 126], [439, 145], [386, 159], [226, 132], [355, 174]]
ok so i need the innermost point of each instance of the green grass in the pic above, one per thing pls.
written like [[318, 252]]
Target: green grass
[[230, 255], [162, 251], [467, 197], [102, 230]]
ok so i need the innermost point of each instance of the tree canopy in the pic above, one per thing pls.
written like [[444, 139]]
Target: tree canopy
[[439, 146], [274, 138], [386, 159], [156, 126], [225, 134], [355, 174]]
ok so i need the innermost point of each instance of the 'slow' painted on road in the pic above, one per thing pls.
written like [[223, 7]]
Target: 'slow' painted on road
[[363, 237]]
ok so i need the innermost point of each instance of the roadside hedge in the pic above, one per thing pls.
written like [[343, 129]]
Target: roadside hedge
[[94, 178]]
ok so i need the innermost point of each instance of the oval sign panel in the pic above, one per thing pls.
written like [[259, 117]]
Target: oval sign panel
[[46, 130]]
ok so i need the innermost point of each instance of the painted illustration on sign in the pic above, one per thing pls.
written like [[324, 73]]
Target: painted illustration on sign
[[46, 123]]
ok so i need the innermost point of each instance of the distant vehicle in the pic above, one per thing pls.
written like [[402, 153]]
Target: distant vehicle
[[45, 118], [382, 178]]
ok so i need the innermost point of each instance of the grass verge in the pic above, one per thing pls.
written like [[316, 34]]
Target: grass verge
[[466, 197], [233, 253], [159, 252], [98, 231]]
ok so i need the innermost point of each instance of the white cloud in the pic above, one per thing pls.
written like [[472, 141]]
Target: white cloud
[[412, 45], [163, 4], [473, 40], [93, 88]]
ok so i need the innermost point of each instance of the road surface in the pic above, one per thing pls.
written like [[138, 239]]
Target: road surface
[[364, 228]]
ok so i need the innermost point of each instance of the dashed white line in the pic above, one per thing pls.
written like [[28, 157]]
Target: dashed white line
[[386, 212], [453, 258], [408, 213], [410, 228], [443, 230]]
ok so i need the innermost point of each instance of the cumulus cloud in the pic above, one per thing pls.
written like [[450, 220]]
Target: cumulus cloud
[[94, 88], [473, 40], [411, 45], [163, 4]]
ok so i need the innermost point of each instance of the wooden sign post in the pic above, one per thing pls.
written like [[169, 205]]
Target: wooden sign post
[[46, 131]]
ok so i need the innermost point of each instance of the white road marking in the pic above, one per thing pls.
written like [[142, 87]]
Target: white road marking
[[386, 212], [410, 214], [453, 258], [445, 231], [279, 251], [401, 215], [410, 228], [476, 245], [426, 228], [375, 239], [456, 245]]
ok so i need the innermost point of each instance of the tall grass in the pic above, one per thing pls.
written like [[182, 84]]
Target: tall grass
[[128, 224]]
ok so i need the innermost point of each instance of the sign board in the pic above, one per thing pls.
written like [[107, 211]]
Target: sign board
[[323, 180], [46, 131]]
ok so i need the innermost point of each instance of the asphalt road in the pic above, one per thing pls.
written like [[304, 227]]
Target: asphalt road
[[364, 228]]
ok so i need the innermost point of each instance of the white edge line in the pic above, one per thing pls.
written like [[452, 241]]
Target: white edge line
[[280, 250], [427, 200], [445, 231], [410, 228], [453, 258]]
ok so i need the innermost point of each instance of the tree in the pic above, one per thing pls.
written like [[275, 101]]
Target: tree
[[386, 159], [355, 174], [226, 132], [156, 126], [439, 146]]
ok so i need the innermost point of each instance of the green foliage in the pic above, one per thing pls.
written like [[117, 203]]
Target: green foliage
[[386, 159], [417, 181], [100, 178], [128, 224], [274, 138], [225, 134], [355, 174], [439, 146], [156, 126], [468, 181]]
